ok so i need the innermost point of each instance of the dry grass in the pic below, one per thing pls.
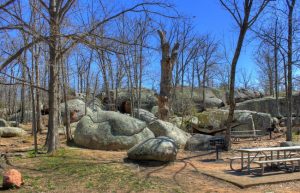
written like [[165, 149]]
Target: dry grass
[[69, 171]]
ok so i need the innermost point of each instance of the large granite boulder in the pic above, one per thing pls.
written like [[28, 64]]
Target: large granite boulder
[[212, 121], [3, 123], [11, 132], [156, 149], [95, 105], [109, 130], [154, 110], [62, 129], [148, 97], [76, 108], [241, 95], [184, 122], [198, 142], [163, 128], [213, 98], [268, 105], [144, 115]]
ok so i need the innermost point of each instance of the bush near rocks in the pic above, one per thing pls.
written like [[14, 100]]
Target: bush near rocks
[[156, 149]]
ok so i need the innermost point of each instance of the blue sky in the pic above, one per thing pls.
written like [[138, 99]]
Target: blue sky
[[210, 17]]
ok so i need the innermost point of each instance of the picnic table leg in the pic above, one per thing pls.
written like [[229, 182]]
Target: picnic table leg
[[284, 154], [271, 158], [242, 161], [248, 164]]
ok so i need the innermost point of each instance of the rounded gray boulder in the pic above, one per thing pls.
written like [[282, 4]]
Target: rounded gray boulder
[[198, 142], [107, 130], [156, 149], [11, 132], [163, 128]]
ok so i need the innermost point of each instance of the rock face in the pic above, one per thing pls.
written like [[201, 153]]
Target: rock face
[[214, 98], [3, 123], [76, 107], [154, 110], [144, 115], [198, 142], [157, 149], [62, 130], [267, 105], [163, 128], [11, 132], [241, 95], [213, 120], [109, 130], [95, 105], [183, 122], [148, 98], [12, 178]]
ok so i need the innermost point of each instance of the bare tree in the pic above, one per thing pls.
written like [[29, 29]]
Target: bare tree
[[244, 17], [167, 63], [291, 5]]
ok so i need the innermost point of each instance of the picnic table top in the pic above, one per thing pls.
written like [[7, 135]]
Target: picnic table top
[[249, 150]]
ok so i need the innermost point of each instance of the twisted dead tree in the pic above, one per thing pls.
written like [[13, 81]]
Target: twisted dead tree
[[167, 63]]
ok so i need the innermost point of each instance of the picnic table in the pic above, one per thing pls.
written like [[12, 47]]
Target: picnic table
[[255, 134], [271, 155]]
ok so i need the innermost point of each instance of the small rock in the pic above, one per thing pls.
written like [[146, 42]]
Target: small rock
[[12, 178]]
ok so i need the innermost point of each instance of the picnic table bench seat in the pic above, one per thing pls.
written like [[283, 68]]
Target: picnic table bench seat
[[261, 163], [259, 157], [255, 134]]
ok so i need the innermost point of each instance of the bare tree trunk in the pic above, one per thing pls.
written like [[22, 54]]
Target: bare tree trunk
[[53, 138], [203, 84], [67, 113], [244, 24], [23, 93], [276, 68], [167, 64], [291, 4], [34, 121], [242, 34], [37, 80]]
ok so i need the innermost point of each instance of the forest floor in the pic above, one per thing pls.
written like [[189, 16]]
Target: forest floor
[[73, 169]]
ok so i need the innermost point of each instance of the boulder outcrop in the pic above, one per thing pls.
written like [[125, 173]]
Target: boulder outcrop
[[109, 130], [163, 128], [155, 149]]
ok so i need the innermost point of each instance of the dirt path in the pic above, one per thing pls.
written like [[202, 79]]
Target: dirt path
[[184, 175]]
